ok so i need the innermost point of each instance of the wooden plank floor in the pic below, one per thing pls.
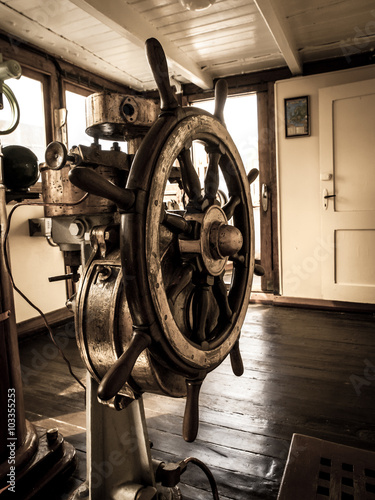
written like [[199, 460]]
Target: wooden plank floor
[[306, 371]]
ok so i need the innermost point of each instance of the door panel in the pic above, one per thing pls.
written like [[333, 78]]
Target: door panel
[[354, 152], [356, 248], [347, 163]]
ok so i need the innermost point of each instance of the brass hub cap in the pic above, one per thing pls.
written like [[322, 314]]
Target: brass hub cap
[[218, 240]]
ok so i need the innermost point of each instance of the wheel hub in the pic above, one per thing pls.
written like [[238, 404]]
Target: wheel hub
[[217, 241]]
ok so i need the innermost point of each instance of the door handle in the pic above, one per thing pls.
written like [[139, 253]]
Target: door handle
[[264, 197], [326, 197]]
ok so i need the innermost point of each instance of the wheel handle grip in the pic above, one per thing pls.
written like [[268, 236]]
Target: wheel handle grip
[[191, 415], [159, 67], [221, 93], [259, 270], [119, 373], [252, 175], [236, 360], [93, 183]]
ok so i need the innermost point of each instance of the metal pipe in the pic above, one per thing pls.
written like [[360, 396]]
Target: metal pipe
[[10, 368]]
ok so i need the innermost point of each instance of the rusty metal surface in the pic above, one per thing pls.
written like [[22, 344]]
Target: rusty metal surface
[[118, 116], [94, 155], [56, 188], [104, 331]]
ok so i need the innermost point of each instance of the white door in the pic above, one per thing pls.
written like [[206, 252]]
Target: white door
[[347, 173]]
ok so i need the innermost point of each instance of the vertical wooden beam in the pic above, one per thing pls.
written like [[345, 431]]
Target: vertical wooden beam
[[273, 182], [267, 176]]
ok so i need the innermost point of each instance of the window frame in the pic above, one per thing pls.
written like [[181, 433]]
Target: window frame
[[56, 75]]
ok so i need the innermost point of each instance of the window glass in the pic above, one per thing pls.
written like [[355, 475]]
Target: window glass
[[241, 119], [76, 123], [31, 129]]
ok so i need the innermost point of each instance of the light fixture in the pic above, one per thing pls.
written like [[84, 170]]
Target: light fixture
[[197, 4]]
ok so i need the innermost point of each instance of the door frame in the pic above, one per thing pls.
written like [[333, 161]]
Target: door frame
[[269, 239]]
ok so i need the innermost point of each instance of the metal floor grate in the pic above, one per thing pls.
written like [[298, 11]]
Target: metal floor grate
[[321, 470]]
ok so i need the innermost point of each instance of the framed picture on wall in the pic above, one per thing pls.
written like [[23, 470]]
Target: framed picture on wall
[[297, 123]]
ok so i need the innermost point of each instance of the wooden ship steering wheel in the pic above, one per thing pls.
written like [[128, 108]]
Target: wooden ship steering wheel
[[166, 306]]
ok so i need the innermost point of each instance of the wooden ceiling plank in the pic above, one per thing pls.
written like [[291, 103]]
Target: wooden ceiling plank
[[241, 56], [97, 41], [356, 26], [281, 33], [235, 50], [253, 35], [144, 5], [79, 25], [226, 17], [125, 20], [217, 12], [304, 14], [232, 68], [17, 24], [180, 30], [210, 38], [119, 49]]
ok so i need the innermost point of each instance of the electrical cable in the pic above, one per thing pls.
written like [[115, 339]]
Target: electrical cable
[[206, 470], [34, 306], [14, 107]]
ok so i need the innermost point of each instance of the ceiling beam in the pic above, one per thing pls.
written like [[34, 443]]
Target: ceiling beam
[[122, 18], [281, 33]]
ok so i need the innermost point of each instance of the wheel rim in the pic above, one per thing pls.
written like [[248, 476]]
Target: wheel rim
[[175, 334]]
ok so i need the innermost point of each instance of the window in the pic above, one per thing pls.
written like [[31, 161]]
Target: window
[[76, 121], [241, 119], [31, 131]]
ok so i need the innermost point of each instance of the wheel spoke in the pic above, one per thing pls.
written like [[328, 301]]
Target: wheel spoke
[[202, 303], [180, 280], [237, 259], [189, 177], [230, 207], [166, 238], [220, 293], [211, 181], [176, 223]]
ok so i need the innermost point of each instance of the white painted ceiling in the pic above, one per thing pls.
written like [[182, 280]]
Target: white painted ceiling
[[231, 37]]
